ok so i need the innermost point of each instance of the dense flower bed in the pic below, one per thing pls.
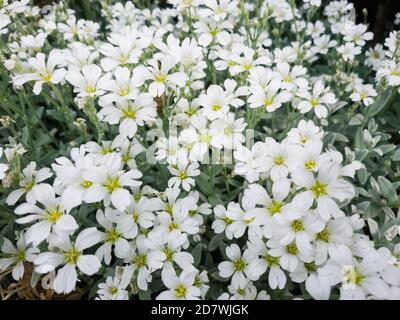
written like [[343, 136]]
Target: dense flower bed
[[213, 149]]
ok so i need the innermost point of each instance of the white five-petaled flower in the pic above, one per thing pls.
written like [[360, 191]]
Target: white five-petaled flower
[[71, 256], [318, 100], [43, 71]]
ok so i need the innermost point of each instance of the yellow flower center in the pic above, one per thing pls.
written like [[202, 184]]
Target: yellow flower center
[[303, 139], [113, 290], [173, 226], [216, 107], [352, 276], [160, 78], [140, 261], [319, 189], [247, 66], [126, 157], [292, 249], [46, 77], [297, 226], [71, 256], [314, 102], [180, 291], [205, 138], [123, 60], [213, 32], [232, 63], [323, 236], [239, 264], [112, 235], [112, 184], [54, 215], [274, 207], [227, 220], [20, 256], [168, 208], [29, 185], [271, 261], [106, 150], [169, 254], [279, 160], [123, 92], [190, 112], [90, 88], [86, 184], [182, 175], [310, 164], [129, 113], [268, 102]]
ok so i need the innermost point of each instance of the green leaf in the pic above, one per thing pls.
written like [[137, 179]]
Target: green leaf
[[387, 189], [196, 253], [396, 155], [144, 295], [202, 181], [215, 241], [376, 107], [358, 139], [35, 279]]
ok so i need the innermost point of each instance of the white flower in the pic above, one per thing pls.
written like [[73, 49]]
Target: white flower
[[292, 79], [263, 261], [305, 132], [271, 208], [251, 163], [220, 9], [16, 256], [70, 255], [50, 216], [359, 279], [112, 290], [139, 264], [317, 100], [357, 33], [139, 213], [111, 179], [44, 71], [201, 137], [222, 222], [127, 51], [180, 288], [364, 94], [239, 265], [216, 101], [316, 3], [289, 255], [159, 73], [375, 56], [390, 71], [122, 87], [211, 31], [29, 184], [299, 227], [112, 237], [130, 114], [349, 51], [88, 81], [183, 172], [328, 185], [4, 21], [178, 219], [166, 250], [268, 97]]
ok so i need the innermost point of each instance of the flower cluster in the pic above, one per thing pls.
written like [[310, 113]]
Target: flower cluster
[[211, 149]]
